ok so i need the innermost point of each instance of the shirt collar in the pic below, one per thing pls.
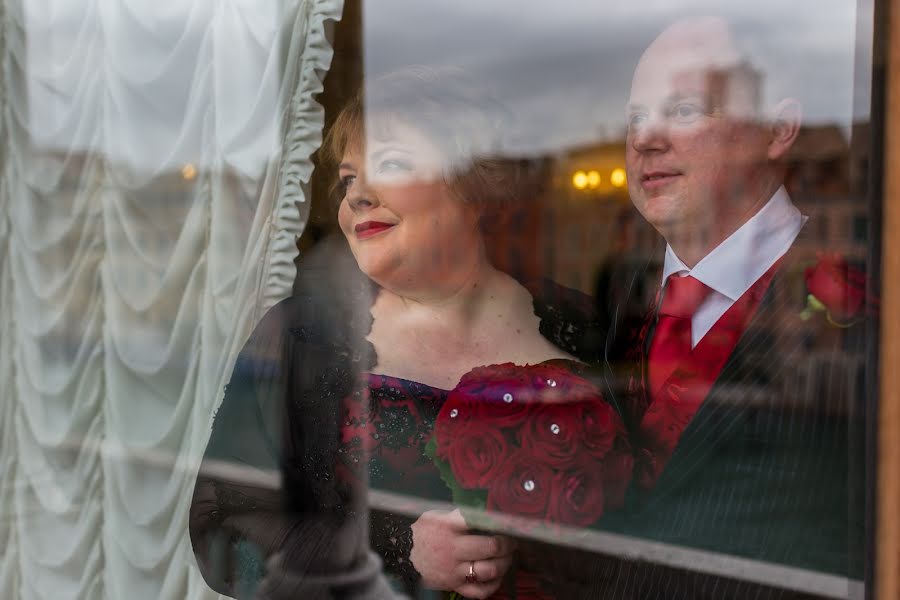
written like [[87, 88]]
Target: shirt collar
[[745, 256]]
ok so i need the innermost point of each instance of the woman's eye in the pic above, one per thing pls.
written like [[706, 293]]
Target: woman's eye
[[345, 182]]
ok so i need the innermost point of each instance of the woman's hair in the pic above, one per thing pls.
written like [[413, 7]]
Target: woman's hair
[[463, 121]]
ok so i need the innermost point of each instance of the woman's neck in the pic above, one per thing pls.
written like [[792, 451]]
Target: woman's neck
[[457, 301]]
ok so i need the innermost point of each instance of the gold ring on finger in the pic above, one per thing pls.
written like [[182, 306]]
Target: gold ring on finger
[[471, 576]]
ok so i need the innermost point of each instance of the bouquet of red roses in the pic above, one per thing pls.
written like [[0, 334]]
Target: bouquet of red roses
[[535, 442]]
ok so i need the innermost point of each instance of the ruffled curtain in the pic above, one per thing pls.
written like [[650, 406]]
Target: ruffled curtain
[[155, 169]]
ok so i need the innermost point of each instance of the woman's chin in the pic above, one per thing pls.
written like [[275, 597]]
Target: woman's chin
[[379, 268]]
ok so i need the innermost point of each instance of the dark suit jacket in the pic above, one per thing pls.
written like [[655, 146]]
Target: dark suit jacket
[[771, 467]]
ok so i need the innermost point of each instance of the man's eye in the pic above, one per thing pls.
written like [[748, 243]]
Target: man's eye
[[393, 166], [686, 112], [636, 120]]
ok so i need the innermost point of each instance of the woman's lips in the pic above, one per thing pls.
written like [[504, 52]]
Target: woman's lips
[[371, 228], [657, 179]]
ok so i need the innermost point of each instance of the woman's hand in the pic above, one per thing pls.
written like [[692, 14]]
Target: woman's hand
[[444, 551]]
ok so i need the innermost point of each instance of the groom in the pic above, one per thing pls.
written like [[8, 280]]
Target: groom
[[740, 398]]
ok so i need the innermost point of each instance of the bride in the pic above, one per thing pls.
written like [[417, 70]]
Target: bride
[[340, 385]]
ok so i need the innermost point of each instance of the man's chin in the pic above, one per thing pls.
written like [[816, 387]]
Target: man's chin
[[663, 212]]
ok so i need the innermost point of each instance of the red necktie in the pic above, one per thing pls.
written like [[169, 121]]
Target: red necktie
[[671, 342]]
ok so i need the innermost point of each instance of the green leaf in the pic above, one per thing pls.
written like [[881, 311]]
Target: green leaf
[[461, 497], [814, 304], [431, 448]]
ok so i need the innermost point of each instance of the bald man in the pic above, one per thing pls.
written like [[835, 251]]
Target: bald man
[[747, 438]]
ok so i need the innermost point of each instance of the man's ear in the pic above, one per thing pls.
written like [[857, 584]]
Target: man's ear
[[784, 127]]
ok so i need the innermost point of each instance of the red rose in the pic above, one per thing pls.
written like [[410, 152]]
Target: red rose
[[577, 496], [838, 286], [547, 382], [557, 383], [458, 420], [521, 488], [482, 379], [552, 434], [600, 426], [501, 394], [476, 459]]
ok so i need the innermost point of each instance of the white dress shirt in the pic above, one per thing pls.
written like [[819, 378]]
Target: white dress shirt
[[739, 261]]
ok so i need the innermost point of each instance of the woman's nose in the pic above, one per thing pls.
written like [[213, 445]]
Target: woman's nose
[[360, 196]]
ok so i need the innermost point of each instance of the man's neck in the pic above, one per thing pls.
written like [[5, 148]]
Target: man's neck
[[733, 267], [694, 244]]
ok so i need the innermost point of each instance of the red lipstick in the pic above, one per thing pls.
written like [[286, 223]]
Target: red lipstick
[[368, 229]]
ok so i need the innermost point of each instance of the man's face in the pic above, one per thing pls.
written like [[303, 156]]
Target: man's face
[[695, 150]]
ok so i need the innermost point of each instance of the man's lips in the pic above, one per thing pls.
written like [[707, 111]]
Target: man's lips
[[369, 228], [653, 180]]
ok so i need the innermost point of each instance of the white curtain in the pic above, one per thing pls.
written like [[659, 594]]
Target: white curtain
[[155, 169]]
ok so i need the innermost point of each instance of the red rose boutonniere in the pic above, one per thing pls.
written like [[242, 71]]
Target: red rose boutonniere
[[838, 290]]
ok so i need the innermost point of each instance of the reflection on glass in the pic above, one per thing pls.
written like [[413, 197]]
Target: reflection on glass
[[585, 162], [776, 450]]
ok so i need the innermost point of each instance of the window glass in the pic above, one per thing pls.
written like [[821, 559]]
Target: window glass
[[504, 299], [639, 122]]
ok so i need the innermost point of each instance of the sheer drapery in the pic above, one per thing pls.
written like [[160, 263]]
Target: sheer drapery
[[155, 171]]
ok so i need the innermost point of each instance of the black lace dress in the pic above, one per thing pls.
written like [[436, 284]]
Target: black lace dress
[[272, 514], [388, 421], [387, 424]]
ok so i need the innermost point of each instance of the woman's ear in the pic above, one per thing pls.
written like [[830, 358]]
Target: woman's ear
[[784, 128]]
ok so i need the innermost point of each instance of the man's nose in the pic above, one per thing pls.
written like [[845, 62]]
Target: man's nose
[[651, 135]]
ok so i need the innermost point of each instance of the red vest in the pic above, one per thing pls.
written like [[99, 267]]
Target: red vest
[[672, 407]]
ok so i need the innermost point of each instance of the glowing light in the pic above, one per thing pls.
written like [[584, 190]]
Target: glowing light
[[580, 180], [593, 179], [617, 177], [189, 171]]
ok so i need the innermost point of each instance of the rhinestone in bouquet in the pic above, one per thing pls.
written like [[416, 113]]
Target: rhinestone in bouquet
[[536, 444]]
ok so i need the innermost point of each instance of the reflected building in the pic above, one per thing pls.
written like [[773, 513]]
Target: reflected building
[[130, 255], [585, 226]]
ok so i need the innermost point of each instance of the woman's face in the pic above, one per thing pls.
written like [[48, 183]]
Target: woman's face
[[406, 227]]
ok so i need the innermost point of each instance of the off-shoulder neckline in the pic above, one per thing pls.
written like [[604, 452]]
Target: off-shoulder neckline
[[550, 361]]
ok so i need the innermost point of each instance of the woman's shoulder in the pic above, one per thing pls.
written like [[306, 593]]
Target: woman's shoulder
[[266, 340], [569, 319], [310, 320], [548, 293], [330, 296]]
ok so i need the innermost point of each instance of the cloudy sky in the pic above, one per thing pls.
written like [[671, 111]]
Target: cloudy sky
[[142, 78], [564, 67]]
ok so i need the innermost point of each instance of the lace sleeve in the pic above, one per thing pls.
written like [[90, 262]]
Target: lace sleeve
[[392, 539], [569, 319], [264, 486], [237, 497]]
